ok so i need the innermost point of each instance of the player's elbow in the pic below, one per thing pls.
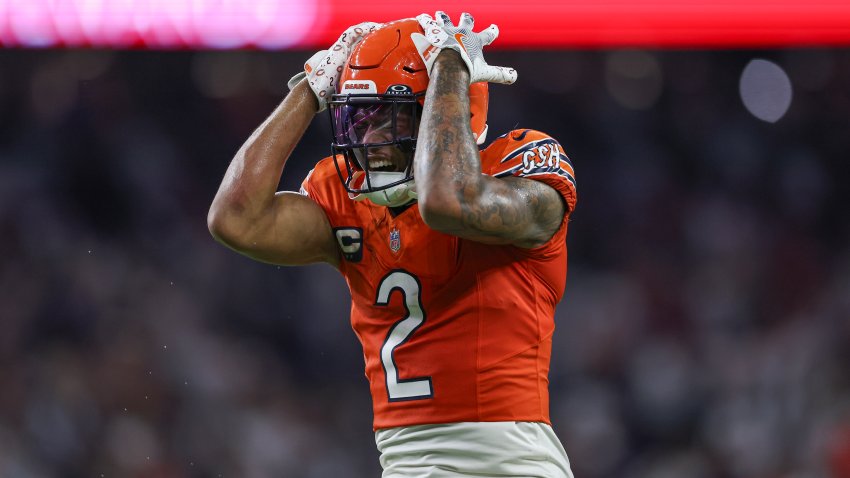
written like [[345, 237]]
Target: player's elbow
[[217, 225], [224, 228], [439, 213]]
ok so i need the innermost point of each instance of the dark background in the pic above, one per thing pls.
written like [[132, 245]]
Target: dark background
[[705, 331]]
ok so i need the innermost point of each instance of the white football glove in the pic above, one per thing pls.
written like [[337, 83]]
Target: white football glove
[[441, 33], [324, 68]]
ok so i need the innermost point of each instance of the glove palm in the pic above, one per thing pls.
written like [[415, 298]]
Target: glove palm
[[441, 33]]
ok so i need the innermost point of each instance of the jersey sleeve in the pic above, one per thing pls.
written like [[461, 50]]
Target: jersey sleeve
[[308, 186], [320, 185], [534, 155]]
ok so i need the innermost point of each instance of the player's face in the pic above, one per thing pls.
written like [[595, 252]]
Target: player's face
[[374, 124]]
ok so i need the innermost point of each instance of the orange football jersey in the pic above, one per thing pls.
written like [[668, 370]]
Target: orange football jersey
[[452, 330]]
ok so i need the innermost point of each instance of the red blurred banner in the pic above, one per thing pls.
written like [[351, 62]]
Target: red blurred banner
[[618, 23], [279, 24]]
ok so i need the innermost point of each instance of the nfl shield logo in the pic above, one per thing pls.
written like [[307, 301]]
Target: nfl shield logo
[[395, 240]]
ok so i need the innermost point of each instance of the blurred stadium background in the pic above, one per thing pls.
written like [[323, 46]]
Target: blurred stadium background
[[705, 330]]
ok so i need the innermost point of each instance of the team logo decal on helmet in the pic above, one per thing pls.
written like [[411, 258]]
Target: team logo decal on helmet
[[358, 87], [374, 133]]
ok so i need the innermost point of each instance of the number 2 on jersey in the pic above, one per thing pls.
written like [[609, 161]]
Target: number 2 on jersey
[[402, 389]]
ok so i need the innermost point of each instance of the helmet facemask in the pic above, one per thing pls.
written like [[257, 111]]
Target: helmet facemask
[[376, 135]]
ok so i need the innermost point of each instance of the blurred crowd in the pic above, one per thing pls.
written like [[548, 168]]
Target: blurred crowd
[[705, 330]]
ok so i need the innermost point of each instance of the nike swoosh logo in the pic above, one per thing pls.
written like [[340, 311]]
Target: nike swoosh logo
[[459, 37]]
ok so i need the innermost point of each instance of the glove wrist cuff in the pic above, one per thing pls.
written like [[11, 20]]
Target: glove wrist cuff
[[295, 80]]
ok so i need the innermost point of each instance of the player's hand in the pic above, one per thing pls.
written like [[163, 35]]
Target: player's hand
[[324, 68], [441, 33]]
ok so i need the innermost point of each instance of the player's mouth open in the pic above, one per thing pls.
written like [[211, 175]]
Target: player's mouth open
[[379, 163]]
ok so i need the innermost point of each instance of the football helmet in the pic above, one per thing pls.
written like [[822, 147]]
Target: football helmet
[[376, 111]]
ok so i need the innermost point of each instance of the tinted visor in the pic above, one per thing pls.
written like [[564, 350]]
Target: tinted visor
[[360, 123]]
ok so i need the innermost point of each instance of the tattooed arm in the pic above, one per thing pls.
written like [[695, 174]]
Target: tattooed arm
[[454, 197]]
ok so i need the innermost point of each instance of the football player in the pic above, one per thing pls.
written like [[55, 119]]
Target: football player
[[455, 256]]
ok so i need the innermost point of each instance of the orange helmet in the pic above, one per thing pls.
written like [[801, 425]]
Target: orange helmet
[[384, 83]]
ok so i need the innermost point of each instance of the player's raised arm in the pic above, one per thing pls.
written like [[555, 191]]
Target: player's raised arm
[[454, 197], [247, 214]]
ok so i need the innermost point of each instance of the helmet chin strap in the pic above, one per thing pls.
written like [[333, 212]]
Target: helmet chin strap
[[394, 196]]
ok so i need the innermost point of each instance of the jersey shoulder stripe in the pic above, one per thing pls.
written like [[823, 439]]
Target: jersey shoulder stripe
[[535, 169], [531, 154], [528, 153]]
